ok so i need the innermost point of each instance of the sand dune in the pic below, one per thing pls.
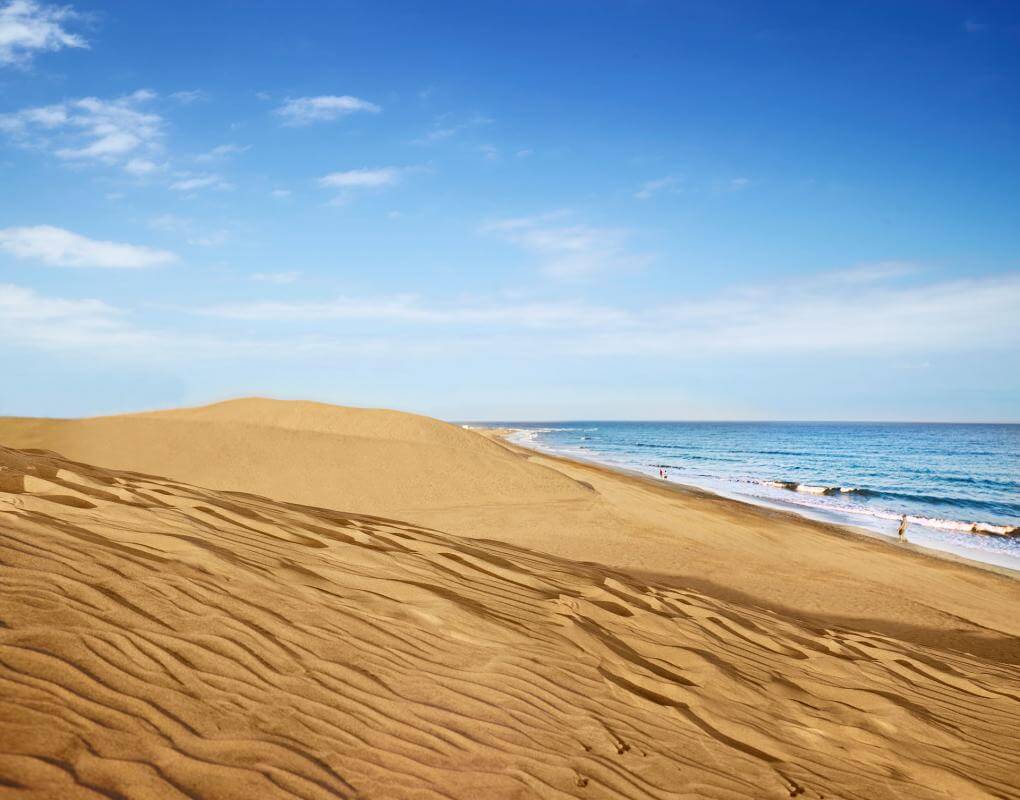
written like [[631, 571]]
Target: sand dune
[[163, 640], [430, 473], [375, 461]]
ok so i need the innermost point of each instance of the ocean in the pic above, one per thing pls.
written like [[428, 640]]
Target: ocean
[[958, 484]]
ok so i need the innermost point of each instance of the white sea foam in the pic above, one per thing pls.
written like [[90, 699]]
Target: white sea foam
[[813, 489], [936, 523]]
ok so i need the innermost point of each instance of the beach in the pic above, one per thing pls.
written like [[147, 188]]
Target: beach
[[267, 598]]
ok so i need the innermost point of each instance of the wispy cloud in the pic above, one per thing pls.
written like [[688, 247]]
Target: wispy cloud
[[650, 188], [871, 312], [370, 178], [567, 249], [221, 152], [847, 312], [973, 26], [28, 28], [140, 167], [362, 178], [30, 318], [34, 320], [279, 278], [446, 127], [306, 110], [61, 248], [187, 182], [839, 314], [410, 309], [90, 129], [188, 97]]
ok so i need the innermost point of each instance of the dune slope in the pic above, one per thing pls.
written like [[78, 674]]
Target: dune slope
[[437, 475], [162, 640], [372, 460]]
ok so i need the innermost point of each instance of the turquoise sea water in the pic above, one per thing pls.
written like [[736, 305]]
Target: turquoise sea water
[[958, 484]]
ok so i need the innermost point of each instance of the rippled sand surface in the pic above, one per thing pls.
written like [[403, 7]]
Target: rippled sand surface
[[162, 640]]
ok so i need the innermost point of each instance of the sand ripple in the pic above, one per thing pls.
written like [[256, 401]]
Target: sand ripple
[[162, 640]]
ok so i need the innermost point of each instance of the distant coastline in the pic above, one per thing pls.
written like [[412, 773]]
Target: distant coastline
[[947, 524]]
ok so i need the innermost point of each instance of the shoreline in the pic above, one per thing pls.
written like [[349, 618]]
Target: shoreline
[[765, 508]]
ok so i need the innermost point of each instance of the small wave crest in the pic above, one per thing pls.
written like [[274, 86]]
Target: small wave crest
[[938, 523]]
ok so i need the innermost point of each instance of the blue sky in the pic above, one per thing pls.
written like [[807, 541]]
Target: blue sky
[[513, 210]]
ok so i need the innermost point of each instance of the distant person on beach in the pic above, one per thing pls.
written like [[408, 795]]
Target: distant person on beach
[[903, 527]]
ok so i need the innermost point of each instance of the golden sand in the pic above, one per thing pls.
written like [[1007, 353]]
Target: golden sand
[[424, 612]]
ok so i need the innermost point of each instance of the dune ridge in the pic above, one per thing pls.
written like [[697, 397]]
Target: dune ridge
[[158, 639], [373, 460]]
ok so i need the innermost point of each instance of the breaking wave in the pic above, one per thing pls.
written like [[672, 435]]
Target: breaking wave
[[938, 523]]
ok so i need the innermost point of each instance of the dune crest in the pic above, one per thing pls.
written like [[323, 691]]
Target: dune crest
[[372, 460], [162, 640]]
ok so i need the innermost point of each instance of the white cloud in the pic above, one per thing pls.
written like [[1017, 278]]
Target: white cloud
[[841, 313], [408, 309], [29, 318], [221, 151], [443, 128], [846, 313], [566, 249], [186, 98], [649, 188], [306, 110], [281, 194], [111, 132], [28, 28], [891, 320], [361, 178], [143, 166], [62, 248], [187, 182], [18, 303], [276, 277]]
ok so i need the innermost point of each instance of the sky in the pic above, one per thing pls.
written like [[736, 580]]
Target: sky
[[528, 210]]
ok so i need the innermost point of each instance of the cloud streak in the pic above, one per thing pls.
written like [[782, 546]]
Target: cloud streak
[[835, 315], [301, 111], [362, 178], [58, 247], [867, 311], [187, 182], [651, 188], [566, 249]]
